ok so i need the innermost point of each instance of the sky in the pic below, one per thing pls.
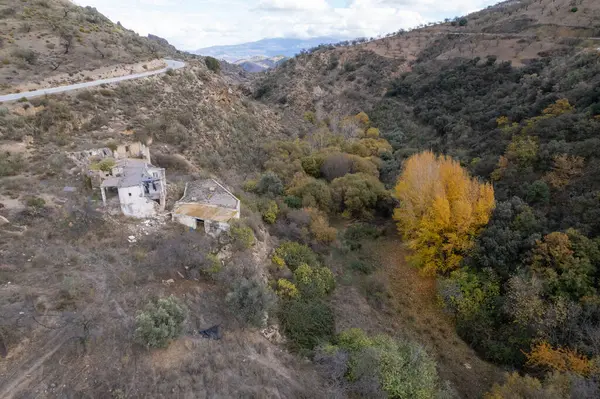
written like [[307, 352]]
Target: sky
[[194, 24]]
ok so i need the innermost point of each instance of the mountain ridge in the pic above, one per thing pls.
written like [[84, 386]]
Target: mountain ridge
[[269, 47]]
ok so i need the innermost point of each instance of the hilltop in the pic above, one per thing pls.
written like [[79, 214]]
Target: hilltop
[[55, 42]]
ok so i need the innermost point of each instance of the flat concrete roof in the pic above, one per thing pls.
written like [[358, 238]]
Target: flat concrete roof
[[209, 192]]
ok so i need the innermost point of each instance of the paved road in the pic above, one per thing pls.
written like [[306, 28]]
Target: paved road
[[171, 64]]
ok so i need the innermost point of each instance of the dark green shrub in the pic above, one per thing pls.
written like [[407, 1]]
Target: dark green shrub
[[361, 231], [463, 22], [307, 323], [160, 322], [269, 184], [293, 202], [213, 64], [361, 267], [538, 193], [574, 9], [250, 301]]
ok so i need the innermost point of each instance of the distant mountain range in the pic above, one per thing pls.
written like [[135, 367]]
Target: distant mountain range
[[246, 54], [260, 63]]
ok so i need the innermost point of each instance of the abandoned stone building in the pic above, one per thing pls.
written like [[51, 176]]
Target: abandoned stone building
[[126, 174], [141, 188], [207, 204]]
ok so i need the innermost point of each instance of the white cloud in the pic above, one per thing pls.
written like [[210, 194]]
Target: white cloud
[[192, 24], [292, 5]]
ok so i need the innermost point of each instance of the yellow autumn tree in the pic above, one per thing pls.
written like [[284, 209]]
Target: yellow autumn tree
[[543, 355], [442, 210]]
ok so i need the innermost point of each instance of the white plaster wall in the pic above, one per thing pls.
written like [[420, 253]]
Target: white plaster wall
[[133, 203]]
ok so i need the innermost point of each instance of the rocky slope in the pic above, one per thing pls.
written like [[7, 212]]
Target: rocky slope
[[355, 77], [41, 39]]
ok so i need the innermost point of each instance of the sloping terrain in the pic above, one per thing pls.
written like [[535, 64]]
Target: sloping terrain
[[42, 39], [512, 93], [339, 78]]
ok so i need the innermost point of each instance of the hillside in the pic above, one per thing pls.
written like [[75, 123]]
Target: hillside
[[52, 42], [518, 32], [510, 92], [312, 293]]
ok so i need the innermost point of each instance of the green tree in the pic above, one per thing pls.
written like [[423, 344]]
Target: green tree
[[269, 184], [358, 194], [250, 301], [307, 323], [213, 64]]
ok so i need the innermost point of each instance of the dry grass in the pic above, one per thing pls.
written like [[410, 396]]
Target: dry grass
[[57, 38], [68, 318]]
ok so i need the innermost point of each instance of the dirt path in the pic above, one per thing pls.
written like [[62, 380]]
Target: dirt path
[[414, 299], [12, 384]]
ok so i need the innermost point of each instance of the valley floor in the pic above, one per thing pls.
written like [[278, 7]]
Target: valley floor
[[411, 310]]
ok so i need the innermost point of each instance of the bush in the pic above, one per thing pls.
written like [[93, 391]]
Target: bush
[[293, 202], [463, 22], [36, 202], [314, 282], [106, 165], [293, 255], [312, 165], [269, 212], [286, 289], [358, 232], [213, 64], [250, 301], [27, 55], [358, 194], [11, 165], [242, 235], [314, 193], [310, 117], [160, 322], [361, 267], [269, 184], [403, 369], [307, 323]]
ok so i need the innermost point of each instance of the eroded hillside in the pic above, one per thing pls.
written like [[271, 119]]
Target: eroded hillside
[[56, 42]]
